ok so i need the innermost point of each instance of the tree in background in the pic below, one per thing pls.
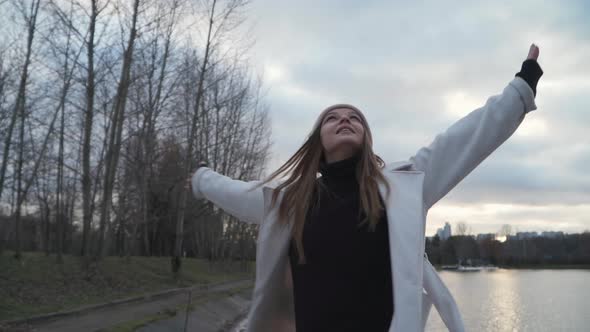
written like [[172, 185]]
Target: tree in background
[[505, 231], [461, 228], [122, 98]]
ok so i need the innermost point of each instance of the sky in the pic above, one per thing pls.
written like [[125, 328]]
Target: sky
[[414, 68]]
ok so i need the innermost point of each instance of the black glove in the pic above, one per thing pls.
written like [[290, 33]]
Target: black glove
[[531, 72]]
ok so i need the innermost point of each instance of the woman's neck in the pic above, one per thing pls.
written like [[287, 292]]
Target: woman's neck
[[340, 172], [339, 155]]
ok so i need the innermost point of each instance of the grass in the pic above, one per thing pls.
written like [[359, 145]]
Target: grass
[[133, 325], [37, 284]]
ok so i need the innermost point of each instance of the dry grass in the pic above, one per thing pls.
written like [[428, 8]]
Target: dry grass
[[37, 285]]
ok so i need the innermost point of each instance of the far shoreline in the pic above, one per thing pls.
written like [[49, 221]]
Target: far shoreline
[[548, 267], [535, 267]]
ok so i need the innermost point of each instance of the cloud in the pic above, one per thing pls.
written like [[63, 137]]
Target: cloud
[[415, 69], [488, 218]]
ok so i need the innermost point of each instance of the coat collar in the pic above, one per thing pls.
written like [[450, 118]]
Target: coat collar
[[402, 165], [399, 165]]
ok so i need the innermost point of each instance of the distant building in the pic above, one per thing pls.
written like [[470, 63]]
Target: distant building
[[552, 235], [445, 232], [486, 236], [526, 235]]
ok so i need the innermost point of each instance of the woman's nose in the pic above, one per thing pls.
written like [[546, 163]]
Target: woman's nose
[[344, 118]]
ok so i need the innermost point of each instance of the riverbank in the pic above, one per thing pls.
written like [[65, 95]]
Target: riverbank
[[535, 267], [548, 267], [38, 285]]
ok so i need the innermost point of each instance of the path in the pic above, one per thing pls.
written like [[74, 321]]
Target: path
[[110, 316], [217, 315]]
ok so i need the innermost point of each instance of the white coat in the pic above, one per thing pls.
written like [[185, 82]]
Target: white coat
[[416, 185]]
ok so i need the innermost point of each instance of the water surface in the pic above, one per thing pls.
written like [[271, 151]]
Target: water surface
[[519, 300]]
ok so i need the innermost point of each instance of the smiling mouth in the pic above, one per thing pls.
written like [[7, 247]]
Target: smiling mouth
[[344, 130]]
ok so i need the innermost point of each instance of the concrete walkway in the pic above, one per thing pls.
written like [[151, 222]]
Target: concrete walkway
[[240, 326], [108, 317], [213, 316]]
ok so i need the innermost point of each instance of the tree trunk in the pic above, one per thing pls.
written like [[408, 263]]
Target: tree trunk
[[19, 107], [116, 129], [86, 147], [176, 260], [60, 185]]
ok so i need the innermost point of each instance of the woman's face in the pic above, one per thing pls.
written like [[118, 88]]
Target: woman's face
[[341, 134]]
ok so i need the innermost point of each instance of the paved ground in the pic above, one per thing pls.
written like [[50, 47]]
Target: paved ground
[[111, 316], [217, 315], [240, 326]]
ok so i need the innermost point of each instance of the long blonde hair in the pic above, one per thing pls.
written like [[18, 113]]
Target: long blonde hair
[[302, 170]]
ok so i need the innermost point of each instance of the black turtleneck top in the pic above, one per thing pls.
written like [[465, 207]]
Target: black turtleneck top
[[345, 284]]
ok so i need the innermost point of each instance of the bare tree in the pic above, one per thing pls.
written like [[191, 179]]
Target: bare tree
[[68, 67], [22, 191], [461, 228], [88, 122], [176, 260], [154, 88], [116, 129], [43, 200], [134, 106], [30, 18], [505, 230]]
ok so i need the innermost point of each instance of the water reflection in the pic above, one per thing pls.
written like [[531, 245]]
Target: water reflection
[[519, 300], [502, 303]]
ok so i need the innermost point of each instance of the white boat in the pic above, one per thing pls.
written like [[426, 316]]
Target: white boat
[[463, 268], [449, 267]]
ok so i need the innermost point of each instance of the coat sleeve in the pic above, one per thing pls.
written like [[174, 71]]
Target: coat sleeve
[[456, 152], [233, 196], [439, 295]]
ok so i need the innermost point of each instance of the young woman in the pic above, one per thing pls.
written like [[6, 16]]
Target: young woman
[[345, 251]]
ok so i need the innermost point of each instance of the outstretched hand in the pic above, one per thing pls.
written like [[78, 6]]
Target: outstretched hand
[[533, 52], [188, 184], [530, 71]]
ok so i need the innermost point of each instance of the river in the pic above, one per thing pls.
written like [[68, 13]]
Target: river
[[518, 300]]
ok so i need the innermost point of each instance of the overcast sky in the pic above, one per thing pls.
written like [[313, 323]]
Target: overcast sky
[[414, 69]]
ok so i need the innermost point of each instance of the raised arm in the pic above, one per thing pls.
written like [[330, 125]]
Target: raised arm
[[456, 152], [228, 194]]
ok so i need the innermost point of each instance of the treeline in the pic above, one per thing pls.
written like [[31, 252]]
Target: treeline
[[106, 107], [571, 249]]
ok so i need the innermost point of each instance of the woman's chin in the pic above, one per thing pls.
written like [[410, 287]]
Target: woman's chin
[[348, 145], [351, 140]]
